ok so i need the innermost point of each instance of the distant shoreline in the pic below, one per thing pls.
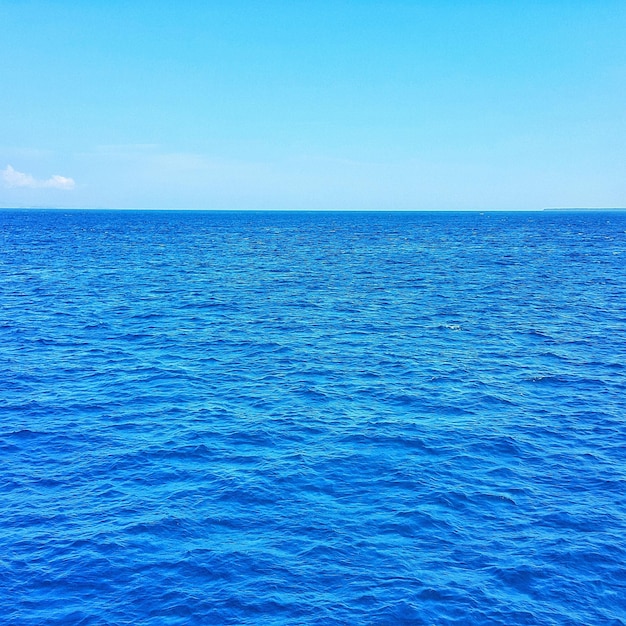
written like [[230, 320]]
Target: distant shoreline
[[587, 209]]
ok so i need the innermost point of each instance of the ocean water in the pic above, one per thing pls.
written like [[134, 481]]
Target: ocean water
[[312, 418]]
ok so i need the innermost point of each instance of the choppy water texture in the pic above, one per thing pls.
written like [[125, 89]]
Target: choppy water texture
[[312, 418]]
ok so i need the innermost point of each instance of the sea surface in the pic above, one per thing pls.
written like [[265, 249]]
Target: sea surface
[[312, 418]]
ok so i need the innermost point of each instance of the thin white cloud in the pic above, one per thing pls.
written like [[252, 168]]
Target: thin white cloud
[[12, 178], [59, 182]]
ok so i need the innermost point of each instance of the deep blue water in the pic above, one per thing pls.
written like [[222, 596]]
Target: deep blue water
[[312, 418]]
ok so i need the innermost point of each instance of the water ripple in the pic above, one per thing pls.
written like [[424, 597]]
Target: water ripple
[[312, 418]]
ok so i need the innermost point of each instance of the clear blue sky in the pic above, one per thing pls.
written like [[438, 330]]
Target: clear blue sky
[[343, 104]]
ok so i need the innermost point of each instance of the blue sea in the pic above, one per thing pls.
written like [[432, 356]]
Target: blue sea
[[312, 418]]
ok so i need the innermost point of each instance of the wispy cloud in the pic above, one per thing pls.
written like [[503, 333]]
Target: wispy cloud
[[12, 178]]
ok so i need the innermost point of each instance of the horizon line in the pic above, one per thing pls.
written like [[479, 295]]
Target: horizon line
[[318, 210]]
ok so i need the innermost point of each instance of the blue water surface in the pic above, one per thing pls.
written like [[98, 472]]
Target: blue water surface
[[312, 418]]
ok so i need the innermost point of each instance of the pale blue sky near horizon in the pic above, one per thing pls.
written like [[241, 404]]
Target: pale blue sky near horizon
[[350, 104]]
